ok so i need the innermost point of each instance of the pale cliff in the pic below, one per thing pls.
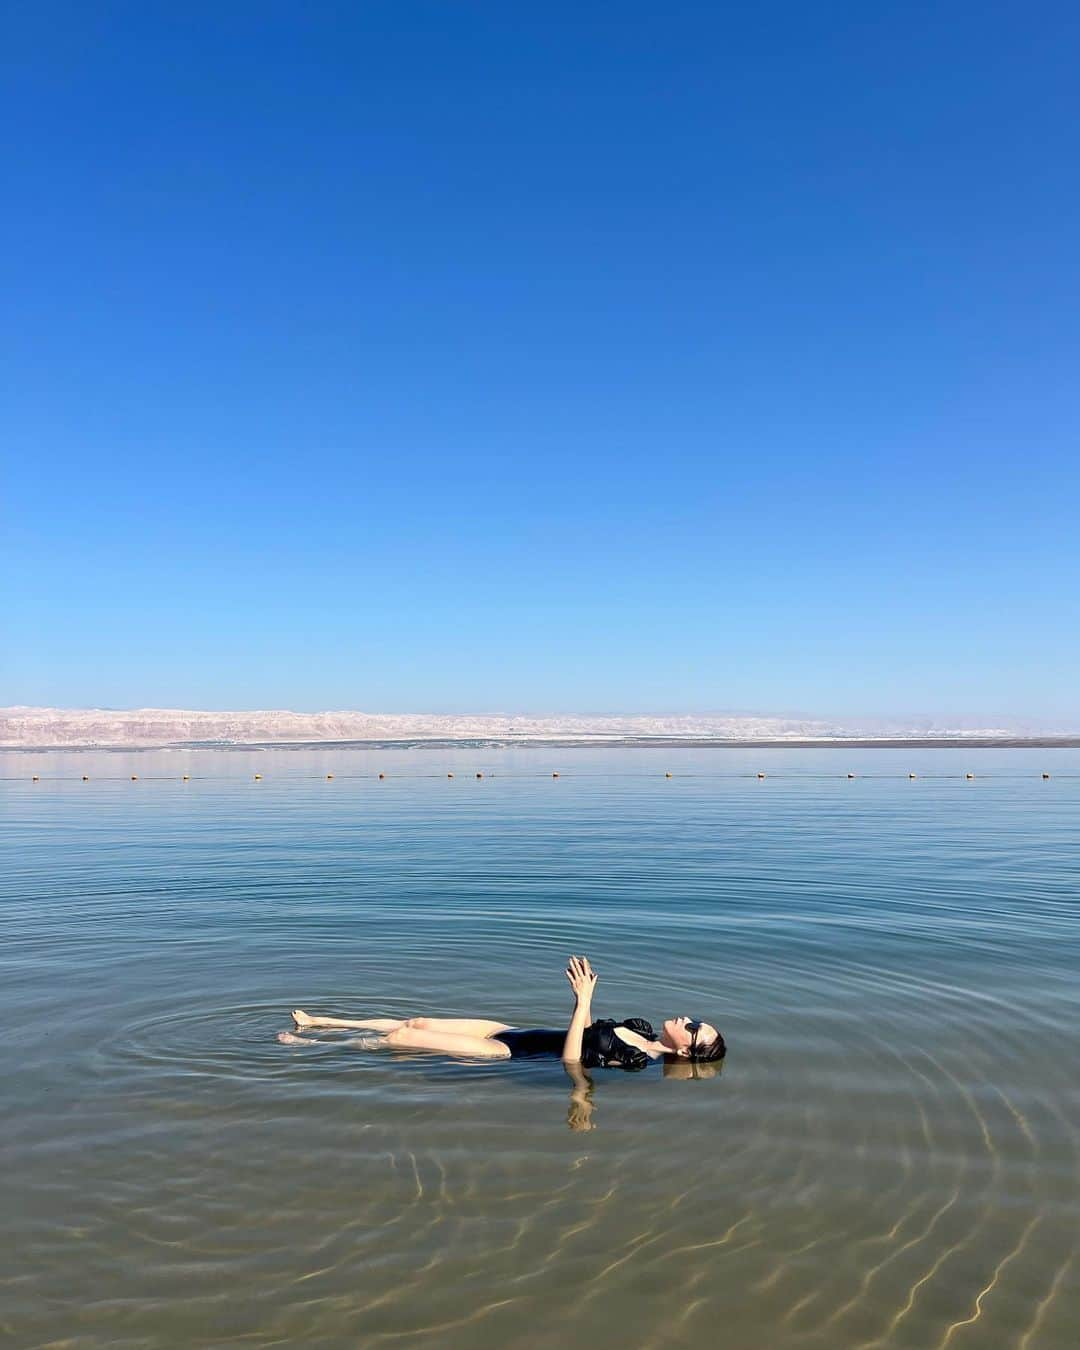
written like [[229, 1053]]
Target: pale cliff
[[76, 727]]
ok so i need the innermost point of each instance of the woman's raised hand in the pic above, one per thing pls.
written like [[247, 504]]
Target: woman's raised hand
[[581, 977]]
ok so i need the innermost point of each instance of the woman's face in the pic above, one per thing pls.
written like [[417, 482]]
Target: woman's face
[[676, 1035]]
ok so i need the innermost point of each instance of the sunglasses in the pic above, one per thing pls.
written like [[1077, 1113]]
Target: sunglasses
[[693, 1028]]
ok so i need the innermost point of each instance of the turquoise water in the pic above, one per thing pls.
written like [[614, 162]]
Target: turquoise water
[[889, 1157]]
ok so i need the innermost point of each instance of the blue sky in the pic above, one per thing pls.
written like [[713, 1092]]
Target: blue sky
[[554, 357]]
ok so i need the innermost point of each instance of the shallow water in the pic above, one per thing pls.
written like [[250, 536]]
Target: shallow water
[[889, 1157]]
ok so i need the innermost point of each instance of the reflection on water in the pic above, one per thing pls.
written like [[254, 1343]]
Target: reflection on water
[[889, 1157]]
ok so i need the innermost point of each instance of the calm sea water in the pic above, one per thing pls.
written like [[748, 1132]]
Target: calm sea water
[[889, 1157]]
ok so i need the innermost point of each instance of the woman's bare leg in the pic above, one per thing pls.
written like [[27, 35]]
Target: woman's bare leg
[[470, 1037], [454, 1026], [458, 1026], [304, 1022], [447, 1043], [287, 1038]]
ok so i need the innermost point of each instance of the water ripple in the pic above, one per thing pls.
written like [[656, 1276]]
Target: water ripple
[[888, 1158]]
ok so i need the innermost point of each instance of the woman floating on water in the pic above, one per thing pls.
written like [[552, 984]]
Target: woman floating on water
[[629, 1044]]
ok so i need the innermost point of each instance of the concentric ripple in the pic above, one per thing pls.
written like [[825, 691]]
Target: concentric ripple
[[233, 1040]]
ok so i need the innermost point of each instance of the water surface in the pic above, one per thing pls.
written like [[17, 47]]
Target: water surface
[[889, 1157]]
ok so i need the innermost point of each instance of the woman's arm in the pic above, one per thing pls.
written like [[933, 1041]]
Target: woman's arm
[[582, 982]]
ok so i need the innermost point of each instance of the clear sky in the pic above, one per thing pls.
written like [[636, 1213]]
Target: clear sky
[[542, 357]]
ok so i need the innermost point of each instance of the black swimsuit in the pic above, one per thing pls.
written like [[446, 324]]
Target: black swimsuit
[[601, 1046]]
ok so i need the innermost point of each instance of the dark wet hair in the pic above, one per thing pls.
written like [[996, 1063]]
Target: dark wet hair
[[707, 1054]]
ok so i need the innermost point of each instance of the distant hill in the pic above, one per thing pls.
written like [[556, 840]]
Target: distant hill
[[144, 727]]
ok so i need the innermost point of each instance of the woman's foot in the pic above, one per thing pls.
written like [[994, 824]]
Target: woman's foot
[[287, 1038], [300, 1017]]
